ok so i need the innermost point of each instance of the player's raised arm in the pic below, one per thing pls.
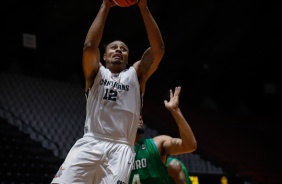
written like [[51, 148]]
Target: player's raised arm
[[153, 55], [91, 52], [187, 142]]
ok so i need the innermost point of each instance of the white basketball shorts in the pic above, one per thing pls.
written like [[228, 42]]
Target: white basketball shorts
[[96, 161]]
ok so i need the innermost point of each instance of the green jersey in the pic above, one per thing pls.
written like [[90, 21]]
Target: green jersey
[[184, 169], [148, 167]]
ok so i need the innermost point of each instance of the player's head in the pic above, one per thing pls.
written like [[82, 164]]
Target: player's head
[[116, 56], [141, 127]]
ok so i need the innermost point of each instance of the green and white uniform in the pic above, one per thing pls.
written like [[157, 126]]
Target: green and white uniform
[[148, 167]]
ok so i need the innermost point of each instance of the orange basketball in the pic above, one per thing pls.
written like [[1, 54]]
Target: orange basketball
[[125, 3]]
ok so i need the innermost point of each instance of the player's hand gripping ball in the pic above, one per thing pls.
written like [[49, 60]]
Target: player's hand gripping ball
[[125, 3]]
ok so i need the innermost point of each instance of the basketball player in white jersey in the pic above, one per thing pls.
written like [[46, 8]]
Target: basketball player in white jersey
[[105, 153]]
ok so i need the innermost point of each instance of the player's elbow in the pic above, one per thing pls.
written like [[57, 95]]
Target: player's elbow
[[160, 52], [157, 52], [191, 147]]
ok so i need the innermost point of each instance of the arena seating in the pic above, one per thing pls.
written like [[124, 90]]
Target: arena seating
[[24, 160]]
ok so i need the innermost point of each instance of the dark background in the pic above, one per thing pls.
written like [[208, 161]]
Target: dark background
[[224, 54]]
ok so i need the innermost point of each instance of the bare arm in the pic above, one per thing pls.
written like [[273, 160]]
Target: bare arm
[[187, 141], [91, 52], [174, 169], [153, 55]]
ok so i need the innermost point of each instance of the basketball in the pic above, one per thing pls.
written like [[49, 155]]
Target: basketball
[[125, 3]]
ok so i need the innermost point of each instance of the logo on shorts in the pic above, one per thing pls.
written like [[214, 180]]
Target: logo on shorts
[[60, 172], [120, 182]]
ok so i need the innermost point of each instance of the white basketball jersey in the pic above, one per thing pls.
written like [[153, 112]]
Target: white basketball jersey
[[113, 105]]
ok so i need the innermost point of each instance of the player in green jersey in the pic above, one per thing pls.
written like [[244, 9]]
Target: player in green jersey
[[152, 153]]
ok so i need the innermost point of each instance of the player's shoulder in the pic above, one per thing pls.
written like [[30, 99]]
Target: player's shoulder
[[161, 138]]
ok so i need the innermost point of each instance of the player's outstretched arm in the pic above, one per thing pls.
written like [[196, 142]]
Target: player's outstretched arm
[[153, 55], [91, 52], [187, 142]]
